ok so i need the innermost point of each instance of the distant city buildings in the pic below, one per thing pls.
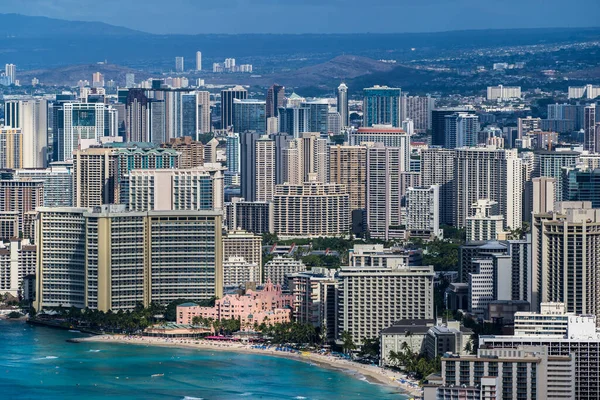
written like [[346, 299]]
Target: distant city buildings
[[501, 92]]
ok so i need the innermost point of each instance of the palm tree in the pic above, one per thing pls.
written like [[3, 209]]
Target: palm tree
[[347, 342]]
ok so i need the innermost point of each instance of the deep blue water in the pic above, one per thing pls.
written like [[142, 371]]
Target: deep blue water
[[37, 363]]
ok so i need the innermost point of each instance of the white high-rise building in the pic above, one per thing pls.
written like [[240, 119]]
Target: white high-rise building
[[265, 169], [503, 92], [488, 173], [384, 167], [372, 298], [342, 105], [587, 91], [437, 168], [237, 272], [487, 223], [10, 70], [31, 116], [461, 130], [199, 188], [423, 212], [198, 61]]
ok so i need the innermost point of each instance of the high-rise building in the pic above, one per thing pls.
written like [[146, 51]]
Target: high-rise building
[[461, 130], [248, 164], [294, 120], [372, 298], [543, 195], [503, 92], [58, 183], [591, 143], [22, 197], [526, 125], [348, 166], [264, 170], [581, 184], [200, 188], [418, 109], [423, 212], [306, 155], [11, 148], [129, 80], [17, 261], [550, 164], [384, 167], [31, 116], [381, 105], [78, 121], [10, 70], [97, 80], [232, 152], [136, 118], [438, 124], [237, 272], [106, 258], [386, 134], [275, 100], [191, 152], [279, 267], [251, 216], [311, 209], [486, 223], [239, 243], [342, 104], [227, 97], [471, 252], [437, 168], [249, 115], [318, 115], [334, 124], [179, 67], [198, 61], [566, 257], [578, 92], [488, 173], [204, 119]]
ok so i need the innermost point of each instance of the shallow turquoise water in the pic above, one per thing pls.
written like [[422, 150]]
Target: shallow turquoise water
[[37, 363]]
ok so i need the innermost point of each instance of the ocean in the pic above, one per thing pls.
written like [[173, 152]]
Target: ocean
[[38, 363]]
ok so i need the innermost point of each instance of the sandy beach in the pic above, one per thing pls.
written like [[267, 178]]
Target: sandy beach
[[373, 374]]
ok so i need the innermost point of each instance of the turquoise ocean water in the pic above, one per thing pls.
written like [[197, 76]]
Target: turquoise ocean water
[[37, 363]]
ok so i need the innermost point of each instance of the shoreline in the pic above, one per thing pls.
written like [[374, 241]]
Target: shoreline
[[372, 374]]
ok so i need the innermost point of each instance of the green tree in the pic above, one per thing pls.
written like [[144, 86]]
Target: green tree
[[347, 342]]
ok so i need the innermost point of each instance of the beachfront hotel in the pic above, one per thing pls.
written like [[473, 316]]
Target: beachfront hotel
[[107, 258], [371, 299], [269, 306]]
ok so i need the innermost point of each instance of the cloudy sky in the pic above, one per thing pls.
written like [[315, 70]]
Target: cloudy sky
[[315, 16]]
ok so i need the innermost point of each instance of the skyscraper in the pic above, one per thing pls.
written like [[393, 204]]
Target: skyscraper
[[31, 116], [551, 163], [305, 156], [264, 171], [488, 173], [198, 61], [179, 67], [249, 115], [438, 124], [318, 114], [461, 130], [423, 212], [136, 116], [342, 104], [227, 97], [11, 72], [591, 143], [294, 120], [381, 105], [418, 109], [384, 165], [129, 80], [275, 100], [232, 152], [248, 164], [348, 166]]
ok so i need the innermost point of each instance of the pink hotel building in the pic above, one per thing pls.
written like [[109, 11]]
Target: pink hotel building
[[270, 306]]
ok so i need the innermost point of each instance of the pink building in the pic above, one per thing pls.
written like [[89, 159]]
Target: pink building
[[270, 306]]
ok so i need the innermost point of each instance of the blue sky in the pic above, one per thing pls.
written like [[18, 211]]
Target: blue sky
[[315, 16]]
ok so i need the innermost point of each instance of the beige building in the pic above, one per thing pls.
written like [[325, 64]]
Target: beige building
[[239, 243], [305, 156], [17, 260], [23, 197], [348, 166], [311, 209], [200, 188], [265, 169], [192, 151], [566, 257], [373, 298], [11, 148], [106, 258], [486, 224]]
